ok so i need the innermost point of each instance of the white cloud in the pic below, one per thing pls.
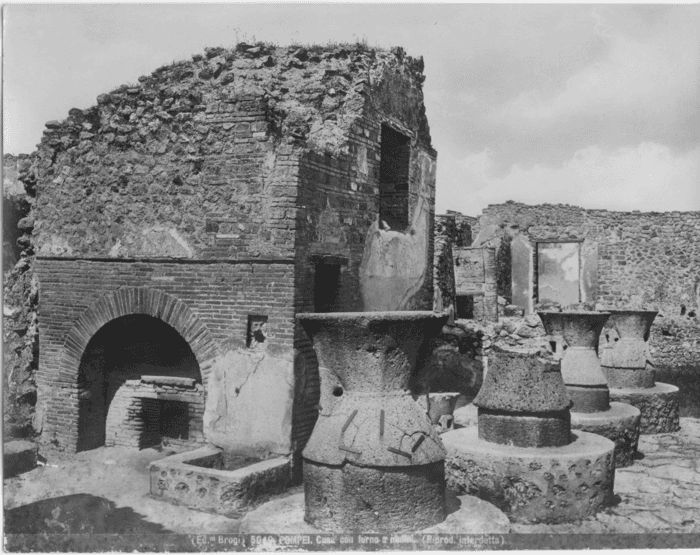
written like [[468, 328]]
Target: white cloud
[[647, 177], [652, 73]]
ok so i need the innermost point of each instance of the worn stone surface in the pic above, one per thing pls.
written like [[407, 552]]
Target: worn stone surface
[[531, 485], [350, 498], [18, 456], [523, 380], [466, 515], [619, 424], [589, 399], [659, 493], [197, 479], [658, 406], [249, 403], [229, 182]]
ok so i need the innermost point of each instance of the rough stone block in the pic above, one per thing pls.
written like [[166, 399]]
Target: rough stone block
[[467, 515], [523, 380]]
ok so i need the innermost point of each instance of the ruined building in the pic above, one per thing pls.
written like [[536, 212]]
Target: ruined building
[[560, 255], [183, 221]]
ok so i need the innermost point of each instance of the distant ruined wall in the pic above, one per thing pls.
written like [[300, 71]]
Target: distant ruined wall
[[631, 259]]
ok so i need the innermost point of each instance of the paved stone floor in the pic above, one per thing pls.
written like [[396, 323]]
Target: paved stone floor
[[660, 492], [105, 490]]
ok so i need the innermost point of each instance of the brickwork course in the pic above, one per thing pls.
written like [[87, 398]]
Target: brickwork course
[[215, 194]]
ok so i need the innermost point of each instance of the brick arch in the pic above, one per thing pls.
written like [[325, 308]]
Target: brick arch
[[139, 300], [62, 418]]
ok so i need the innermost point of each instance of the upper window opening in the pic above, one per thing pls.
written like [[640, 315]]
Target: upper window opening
[[393, 179]]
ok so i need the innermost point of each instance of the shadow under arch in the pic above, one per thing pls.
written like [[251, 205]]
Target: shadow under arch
[[126, 301]]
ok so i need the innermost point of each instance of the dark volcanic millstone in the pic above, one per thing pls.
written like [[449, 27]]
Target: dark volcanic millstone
[[535, 430], [374, 462], [523, 401]]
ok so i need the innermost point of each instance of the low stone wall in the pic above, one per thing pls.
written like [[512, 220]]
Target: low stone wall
[[193, 479]]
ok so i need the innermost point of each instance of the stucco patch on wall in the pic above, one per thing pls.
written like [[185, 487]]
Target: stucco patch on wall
[[394, 265], [249, 402]]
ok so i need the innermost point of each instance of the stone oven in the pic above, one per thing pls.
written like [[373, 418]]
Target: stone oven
[[183, 222]]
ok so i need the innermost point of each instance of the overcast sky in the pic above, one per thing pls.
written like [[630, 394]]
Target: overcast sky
[[596, 106]]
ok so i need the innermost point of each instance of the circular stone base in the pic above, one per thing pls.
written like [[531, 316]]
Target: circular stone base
[[619, 424], [466, 515], [531, 484], [658, 405]]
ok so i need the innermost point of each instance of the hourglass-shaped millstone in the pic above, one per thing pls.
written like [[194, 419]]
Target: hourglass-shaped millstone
[[624, 362], [524, 401], [631, 378], [580, 366], [374, 462]]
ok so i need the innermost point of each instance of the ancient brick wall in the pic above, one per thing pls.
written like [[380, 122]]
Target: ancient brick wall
[[219, 296], [235, 164]]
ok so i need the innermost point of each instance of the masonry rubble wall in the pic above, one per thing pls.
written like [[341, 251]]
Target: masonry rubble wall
[[633, 259], [20, 299], [220, 183]]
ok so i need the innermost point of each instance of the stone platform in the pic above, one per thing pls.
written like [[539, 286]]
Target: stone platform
[[658, 405], [620, 424], [531, 485], [466, 515]]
